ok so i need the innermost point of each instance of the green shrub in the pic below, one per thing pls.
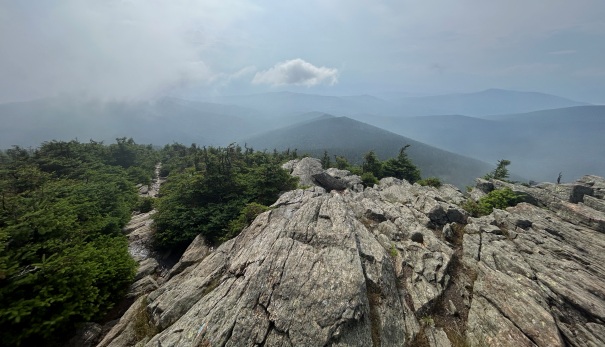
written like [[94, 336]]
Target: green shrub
[[430, 181], [393, 251], [145, 204], [342, 163], [368, 179], [80, 283], [499, 198], [139, 175]]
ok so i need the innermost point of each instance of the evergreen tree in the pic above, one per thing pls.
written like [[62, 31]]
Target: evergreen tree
[[342, 163], [371, 164], [401, 167], [325, 161], [500, 172]]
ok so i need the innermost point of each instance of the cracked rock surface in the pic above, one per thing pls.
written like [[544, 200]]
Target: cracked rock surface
[[393, 265]]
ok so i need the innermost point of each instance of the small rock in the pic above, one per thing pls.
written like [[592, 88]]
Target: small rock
[[523, 223], [437, 337], [452, 309], [448, 233], [484, 185], [143, 190], [417, 237], [86, 336], [146, 267]]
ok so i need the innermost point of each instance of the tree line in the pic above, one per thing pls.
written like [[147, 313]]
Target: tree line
[[373, 169]]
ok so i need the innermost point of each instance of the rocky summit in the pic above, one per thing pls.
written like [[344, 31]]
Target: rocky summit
[[391, 265]]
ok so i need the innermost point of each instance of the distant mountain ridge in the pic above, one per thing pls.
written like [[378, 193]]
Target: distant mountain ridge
[[540, 144], [487, 102], [490, 102], [350, 138]]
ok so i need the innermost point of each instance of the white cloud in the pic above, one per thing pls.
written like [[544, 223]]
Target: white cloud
[[296, 72]]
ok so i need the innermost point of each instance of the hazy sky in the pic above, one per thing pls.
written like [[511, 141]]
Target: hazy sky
[[143, 48]]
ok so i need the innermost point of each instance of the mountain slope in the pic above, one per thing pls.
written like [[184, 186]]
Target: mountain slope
[[540, 144], [351, 138]]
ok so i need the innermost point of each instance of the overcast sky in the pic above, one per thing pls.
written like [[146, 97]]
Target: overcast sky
[[144, 48]]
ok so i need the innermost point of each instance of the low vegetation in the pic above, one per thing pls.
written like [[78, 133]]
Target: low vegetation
[[430, 182], [498, 198]]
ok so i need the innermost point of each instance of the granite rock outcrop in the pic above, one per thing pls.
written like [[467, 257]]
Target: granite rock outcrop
[[391, 265]]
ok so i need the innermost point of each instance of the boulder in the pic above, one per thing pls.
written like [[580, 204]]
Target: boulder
[[304, 169], [353, 181], [195, 252], [484, 186], [329, 182], [132, 328], [142, 286], [596, 183], [570, 192]]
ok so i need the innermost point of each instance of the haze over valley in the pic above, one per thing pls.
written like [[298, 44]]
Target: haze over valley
[[543, 135]]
